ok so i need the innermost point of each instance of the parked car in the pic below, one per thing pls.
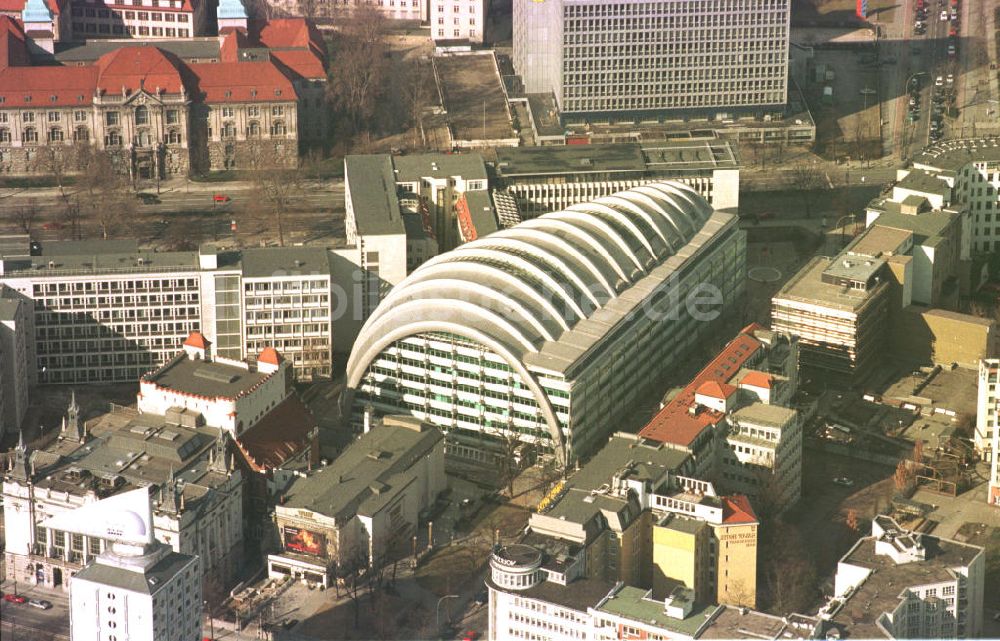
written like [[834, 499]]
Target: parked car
[[951, 50], [470, 635], [220, 198], [41, 604], [481, 597], [14, 598], [843, 481], [939, 81], [944, 16], [52, 226]]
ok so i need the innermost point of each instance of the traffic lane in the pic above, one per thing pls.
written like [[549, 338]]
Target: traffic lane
[[30, 622]]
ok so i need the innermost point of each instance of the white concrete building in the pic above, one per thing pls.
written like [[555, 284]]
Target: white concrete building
[[106, 311], [458, 20], [762, 454], [138, 589], [636, 60], [987, 435], [962, 173], [15, 357], [898, 584]]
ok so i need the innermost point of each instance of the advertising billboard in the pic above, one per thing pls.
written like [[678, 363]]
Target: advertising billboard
[[304, 541]]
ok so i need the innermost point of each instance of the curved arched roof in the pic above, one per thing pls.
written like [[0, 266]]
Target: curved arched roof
[[534, 282]]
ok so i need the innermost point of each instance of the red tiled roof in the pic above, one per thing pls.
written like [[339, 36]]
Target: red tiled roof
[[13, 6], [13, 46], [233, 39], [280, 435], [301, 62], [736, 509], [283, 33], [673, 424], [242, 82], [47, 86], [271, 356], [757, 379], [135, 68], [196, 340], [716, 389]]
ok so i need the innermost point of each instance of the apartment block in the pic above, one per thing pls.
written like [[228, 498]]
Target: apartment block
[[670, 528], [733, 421], [987, 408], [106, 311], [964, 173], [634, 60], [458, 20], [899, 584], [550, 178]]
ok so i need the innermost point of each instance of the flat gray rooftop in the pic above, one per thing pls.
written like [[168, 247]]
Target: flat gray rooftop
[[285, 261], [372, 184], [923, 181], [473, 96], [569, 159], [149, 582], [764, 414], [952, 155], [690, 155], [189, 49], [807, 286], [631, 602], [368, 473], [204, 378], [927, 225], [413, 167]]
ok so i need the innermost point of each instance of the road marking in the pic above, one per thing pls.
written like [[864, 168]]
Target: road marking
[[829, 182]]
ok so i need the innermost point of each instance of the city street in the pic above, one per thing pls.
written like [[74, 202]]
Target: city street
[[21, 622]]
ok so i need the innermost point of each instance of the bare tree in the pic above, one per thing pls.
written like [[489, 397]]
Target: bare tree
[[417, 88], [275, 183], [107, 194], [26, 215], [56, 161], [357, 82], [808, 182]]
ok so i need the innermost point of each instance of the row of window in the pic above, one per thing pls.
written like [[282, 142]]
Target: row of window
[[117, 29], [80, 12]]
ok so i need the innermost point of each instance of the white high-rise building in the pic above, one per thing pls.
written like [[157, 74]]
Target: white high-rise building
[[987, 435], [627, 59], [139, 589], [458, 20]]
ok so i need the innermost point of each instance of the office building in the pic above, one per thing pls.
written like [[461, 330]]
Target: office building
[[138, 588], [898, 584], [669, 527], [458, 20], [106, 311], [636, 61], [960, 173], [733, 421], [158, 115], [838, 310], [596, 300], [993, 489], [551, 178], [987, 408], [363, 508], [15, 353]]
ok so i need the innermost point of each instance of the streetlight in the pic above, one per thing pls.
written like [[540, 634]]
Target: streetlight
[[211, 621], [437, 610]]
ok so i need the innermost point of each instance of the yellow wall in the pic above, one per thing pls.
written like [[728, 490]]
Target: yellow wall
[[680, 555], [927, 336], [737, 564]]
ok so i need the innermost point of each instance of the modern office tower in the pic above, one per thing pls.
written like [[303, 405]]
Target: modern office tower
[[106, 311], [899, 584], [138, 589], [550, 331], [550, 178], [633, 60]]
